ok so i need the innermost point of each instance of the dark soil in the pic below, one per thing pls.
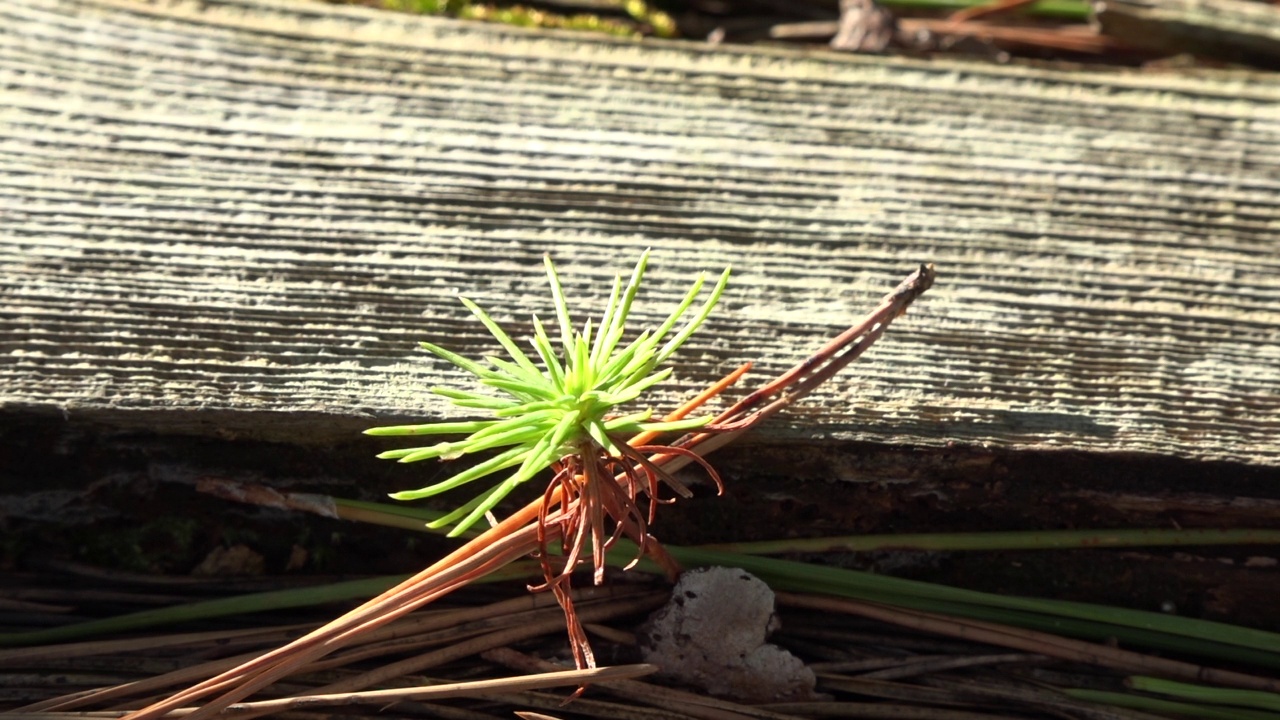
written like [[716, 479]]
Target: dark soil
[[127, 502]]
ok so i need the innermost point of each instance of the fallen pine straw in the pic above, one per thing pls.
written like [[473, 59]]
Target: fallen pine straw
[[461, 632], [475, 688], [1030, 641], [935, 679], [686, 703]]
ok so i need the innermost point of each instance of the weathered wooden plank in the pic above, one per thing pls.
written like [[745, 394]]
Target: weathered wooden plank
[[237, 216]]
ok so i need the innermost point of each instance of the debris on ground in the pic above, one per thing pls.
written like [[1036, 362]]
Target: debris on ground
[[712, 635]]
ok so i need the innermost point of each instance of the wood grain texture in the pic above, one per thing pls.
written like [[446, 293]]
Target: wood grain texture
[[238, 216]]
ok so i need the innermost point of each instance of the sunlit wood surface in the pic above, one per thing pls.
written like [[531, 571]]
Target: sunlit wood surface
[[238, 217]]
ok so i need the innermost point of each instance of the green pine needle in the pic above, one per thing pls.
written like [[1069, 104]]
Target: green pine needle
[[551, 410]]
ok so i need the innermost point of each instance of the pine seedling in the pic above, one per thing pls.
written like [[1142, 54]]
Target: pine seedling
[[582, 493], [567, 411]]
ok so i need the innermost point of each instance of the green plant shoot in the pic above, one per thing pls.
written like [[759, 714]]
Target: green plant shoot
[[549, 411]]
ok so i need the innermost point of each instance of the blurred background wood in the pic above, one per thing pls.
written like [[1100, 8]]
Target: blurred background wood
[[1239, 31], [237, 217]]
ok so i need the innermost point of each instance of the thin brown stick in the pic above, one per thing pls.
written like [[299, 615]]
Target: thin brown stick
[[887, 711], [687, 703], [531, 715], [425, 623], [181, 676], [695, 402], [472, 646], [394, 637], [559, 678], [830, 358], [1073, 38], [594, 613], [925, 666], [461, 632], [806, 375], [455, 570], [29, 657], [1041, 699], [890, 690], [991, 8], [592, 708]]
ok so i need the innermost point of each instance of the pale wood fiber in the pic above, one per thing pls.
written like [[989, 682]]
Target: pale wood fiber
[[239, 216]]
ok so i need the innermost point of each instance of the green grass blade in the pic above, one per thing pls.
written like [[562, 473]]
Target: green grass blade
[[1129, 637], [543, 454], [629, 420], [596, 430], [463, 398], [636, 389], [674, 343], [606, 321], [1062, 9], [522, 390], [542, 344], [613, 330], [580, 376], [478, 508], [440, 428], [502, 337], [409, 455], [519, 373], [680, 310], [562, 307], [460, 512], [518, 411], [514, 456], [1156, 705], [1198, 638], [640, 365], [838, 581], [1204, 694], [675, 425], [222, 607], [611, 374], [518, 435], [454, 358], [1018, 540]]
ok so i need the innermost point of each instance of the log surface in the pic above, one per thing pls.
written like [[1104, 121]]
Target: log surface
[[238, 217]]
